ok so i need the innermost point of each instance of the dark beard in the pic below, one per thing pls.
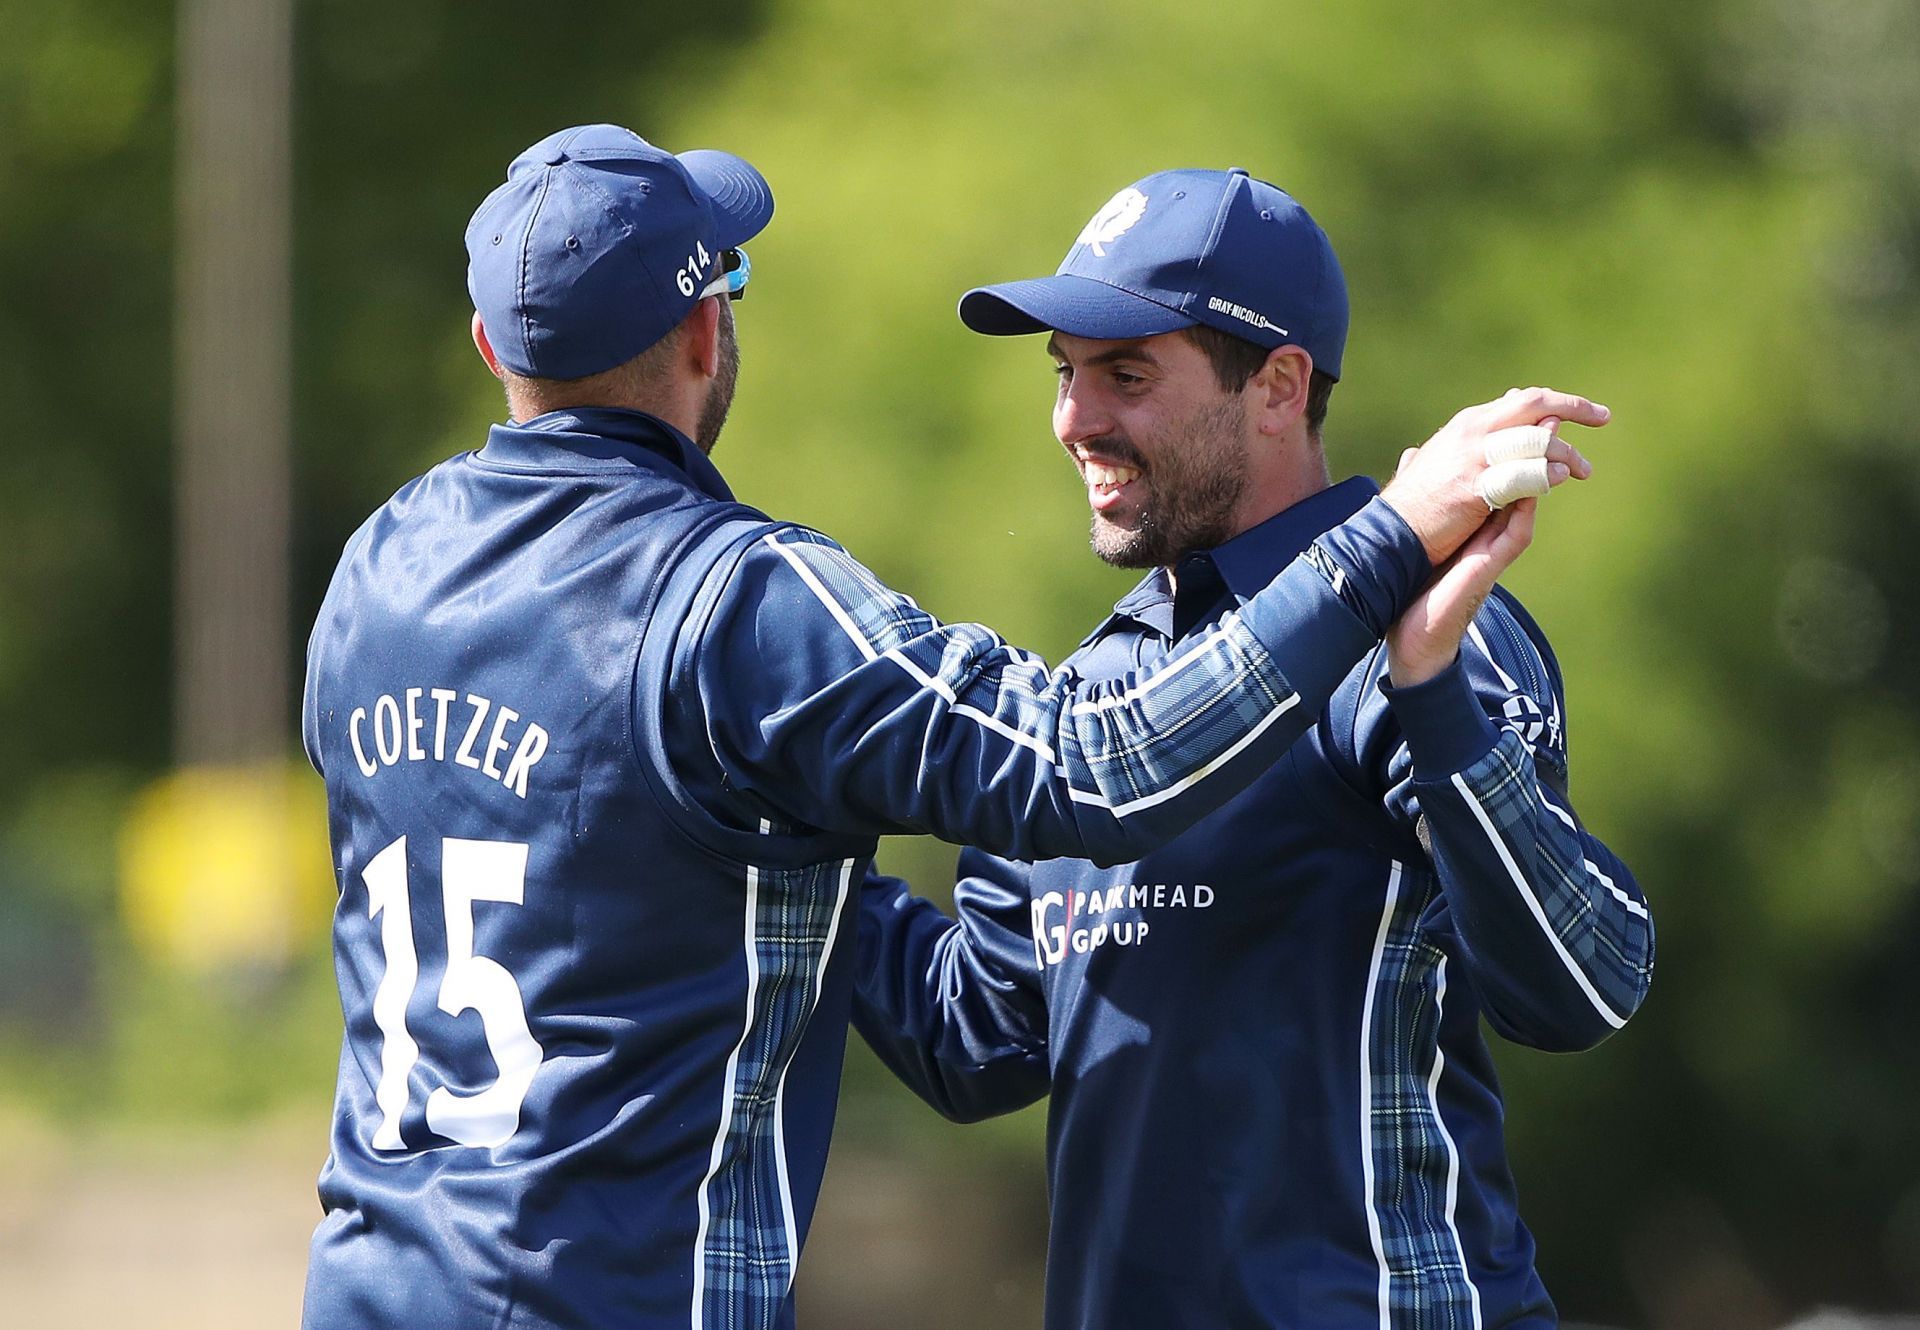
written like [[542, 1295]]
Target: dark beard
[[713, 413], [1193, 490]]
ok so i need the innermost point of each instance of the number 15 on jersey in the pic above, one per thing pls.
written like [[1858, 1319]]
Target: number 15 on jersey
[[470, 871]]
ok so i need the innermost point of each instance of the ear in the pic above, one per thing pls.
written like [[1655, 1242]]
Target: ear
[[1280, 388], [485, 348], [702, 347]]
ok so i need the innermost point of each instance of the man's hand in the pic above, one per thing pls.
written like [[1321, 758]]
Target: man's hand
[[1426, 638], [1484, 456]]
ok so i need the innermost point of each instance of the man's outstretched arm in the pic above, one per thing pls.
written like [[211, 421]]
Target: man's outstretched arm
[[830, 700]]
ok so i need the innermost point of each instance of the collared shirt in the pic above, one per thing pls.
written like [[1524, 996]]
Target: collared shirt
[[1271, 1103], [606, 755]]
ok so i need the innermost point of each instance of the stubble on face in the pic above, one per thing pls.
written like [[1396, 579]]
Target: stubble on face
[[713, 413], [1195, 478]]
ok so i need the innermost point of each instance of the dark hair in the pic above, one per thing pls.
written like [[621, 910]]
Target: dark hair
[[1235, 360]]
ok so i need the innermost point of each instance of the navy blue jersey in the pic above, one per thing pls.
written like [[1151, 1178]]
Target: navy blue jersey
[[1271, 1102], [606, 755]]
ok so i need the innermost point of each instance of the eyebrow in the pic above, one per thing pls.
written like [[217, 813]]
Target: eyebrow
[[1134, 350]]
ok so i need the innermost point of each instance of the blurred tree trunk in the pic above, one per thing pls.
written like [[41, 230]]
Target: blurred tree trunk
[[232, 372]]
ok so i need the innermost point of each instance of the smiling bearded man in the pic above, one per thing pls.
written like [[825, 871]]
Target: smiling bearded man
[[1179, 491], [1271, 1102]]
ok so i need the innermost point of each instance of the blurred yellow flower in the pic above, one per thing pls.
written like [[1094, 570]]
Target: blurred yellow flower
[[226, 868]]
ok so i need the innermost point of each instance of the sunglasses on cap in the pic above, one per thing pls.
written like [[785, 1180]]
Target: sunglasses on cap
[[735, 270]]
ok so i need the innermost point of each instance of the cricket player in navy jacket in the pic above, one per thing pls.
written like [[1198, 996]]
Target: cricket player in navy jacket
[[607, 753], [1271, 1102]]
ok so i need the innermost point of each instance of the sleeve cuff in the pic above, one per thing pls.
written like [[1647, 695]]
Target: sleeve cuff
[[1446, 728], [1375, 564]]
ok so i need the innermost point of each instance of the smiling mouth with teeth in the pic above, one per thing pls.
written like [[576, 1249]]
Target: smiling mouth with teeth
[[1106, 479]]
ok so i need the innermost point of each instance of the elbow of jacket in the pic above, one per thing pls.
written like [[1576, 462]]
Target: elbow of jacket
[[1113, 844], [952, 1097], [1576, 1019], [964, 1114], [1103, 847], [964, 1104], [1570, 1029], [1567, 1036], [974, 1094]]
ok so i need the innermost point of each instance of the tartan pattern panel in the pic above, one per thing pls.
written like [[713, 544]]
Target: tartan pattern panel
[[747, 1256], [1606, 932], [1427, 1286]]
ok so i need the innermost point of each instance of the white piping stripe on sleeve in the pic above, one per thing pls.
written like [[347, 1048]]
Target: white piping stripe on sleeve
[[780, 1087], [1633, 906], [960, 708], [726, 1106], [1191, 779], [1008, 732], [862, 574], [1180, 662], [826, 598], [852, 630], [1506, 680], [1366, 1092], [1557, 811], [1453, 1154], [1533, 904]]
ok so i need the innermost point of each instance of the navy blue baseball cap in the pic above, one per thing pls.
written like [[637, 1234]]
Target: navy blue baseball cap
[[599, 244], [1181, 248]]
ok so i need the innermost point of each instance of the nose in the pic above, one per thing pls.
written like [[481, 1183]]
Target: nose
[[1078, 416]]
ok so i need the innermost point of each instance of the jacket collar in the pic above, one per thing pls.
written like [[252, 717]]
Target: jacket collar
[[602, 438]]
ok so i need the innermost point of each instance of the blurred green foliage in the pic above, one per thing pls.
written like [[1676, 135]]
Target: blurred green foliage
[[1706, 215]]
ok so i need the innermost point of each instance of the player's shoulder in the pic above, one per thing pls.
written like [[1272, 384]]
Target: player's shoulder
[[753, 538], [1512, 667], [436, 484], [1512, 642], [397, 514], [1505, 608], [789, 561], [440, 500], [408, 496], [785, 588]]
